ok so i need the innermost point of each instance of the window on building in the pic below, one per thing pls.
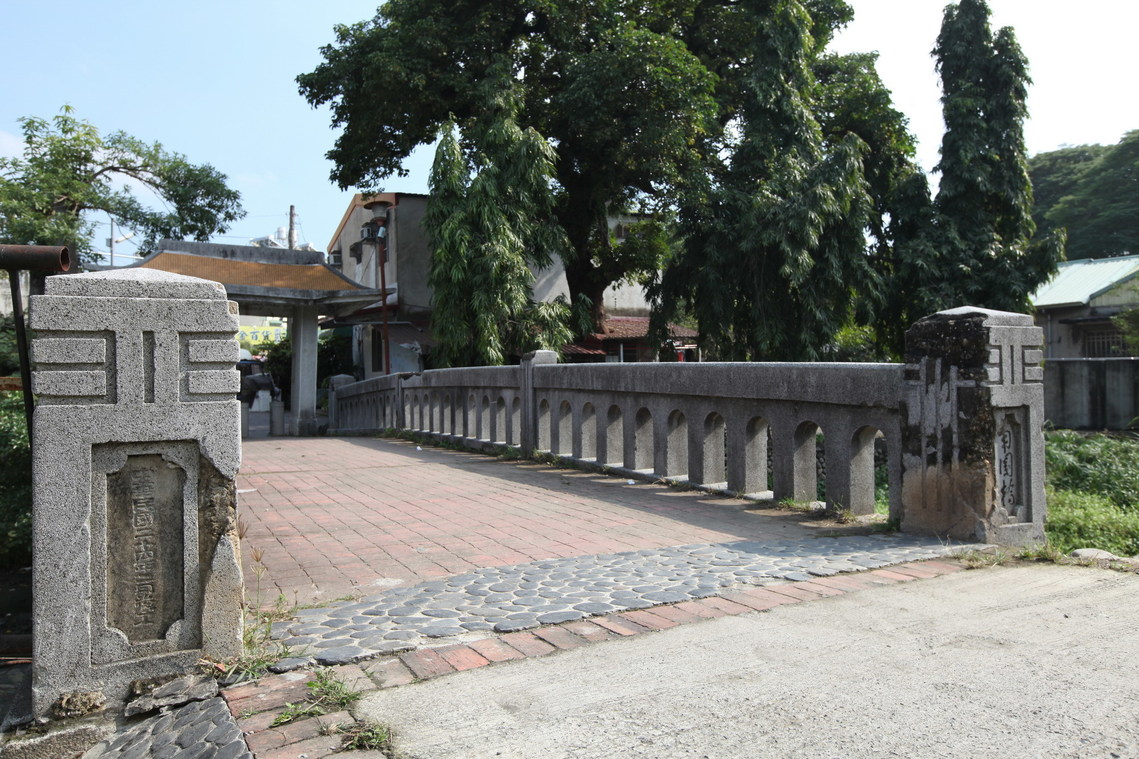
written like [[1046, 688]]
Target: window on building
[[1103, 342]]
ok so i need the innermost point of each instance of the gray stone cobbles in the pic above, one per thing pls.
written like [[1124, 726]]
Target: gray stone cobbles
[[198, 729], [522, 597]]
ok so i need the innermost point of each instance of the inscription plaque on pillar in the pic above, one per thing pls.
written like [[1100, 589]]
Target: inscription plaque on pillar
[[144, 519]]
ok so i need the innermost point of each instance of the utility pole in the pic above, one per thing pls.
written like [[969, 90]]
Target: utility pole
[[292, 227]]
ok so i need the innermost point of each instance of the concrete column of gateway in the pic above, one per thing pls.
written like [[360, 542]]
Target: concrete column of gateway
[[303, 330]]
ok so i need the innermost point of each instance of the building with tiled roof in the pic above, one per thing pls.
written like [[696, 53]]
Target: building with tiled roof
[[402, 272], [1075, 307]]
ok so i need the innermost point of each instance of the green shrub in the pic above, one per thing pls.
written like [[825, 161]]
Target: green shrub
[[1087, 520], [15, 484], [1094, 464]]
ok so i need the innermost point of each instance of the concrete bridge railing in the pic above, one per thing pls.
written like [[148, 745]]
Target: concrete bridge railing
[[958, 426]]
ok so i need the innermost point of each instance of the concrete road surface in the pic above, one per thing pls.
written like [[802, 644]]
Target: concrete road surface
[[1021, 661]]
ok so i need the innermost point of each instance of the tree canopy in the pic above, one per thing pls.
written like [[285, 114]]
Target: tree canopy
[[631, 95], [1093, 192], [783, 173], [69, 169], [774, 236], [974, 243]]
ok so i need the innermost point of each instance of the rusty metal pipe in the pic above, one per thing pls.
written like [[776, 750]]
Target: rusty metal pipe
[[38, 258], [35, 258]]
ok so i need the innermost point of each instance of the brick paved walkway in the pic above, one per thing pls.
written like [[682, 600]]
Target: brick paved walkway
[[333, 517]]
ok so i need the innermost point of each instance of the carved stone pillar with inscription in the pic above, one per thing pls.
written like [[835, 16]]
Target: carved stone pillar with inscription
[[137, 442], [973, 445]]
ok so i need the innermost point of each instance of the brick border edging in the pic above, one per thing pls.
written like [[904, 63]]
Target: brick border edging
[[262, 700]]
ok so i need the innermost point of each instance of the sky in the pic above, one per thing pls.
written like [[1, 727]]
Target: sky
[[215, 81]]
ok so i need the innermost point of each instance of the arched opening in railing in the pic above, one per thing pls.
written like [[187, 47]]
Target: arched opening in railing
[[613, 450], [515, 436], [543, 425], [713, 448], [869, 480], [564, 442], [643, 440], [586, 442], [676, 445], [806, 484]]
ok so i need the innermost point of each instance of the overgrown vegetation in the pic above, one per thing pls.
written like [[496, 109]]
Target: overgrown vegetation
[[1093, 492], [15, 484]]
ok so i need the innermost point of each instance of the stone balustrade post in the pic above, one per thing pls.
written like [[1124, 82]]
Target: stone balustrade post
[[973, 411], [529, 400], [137, 570]]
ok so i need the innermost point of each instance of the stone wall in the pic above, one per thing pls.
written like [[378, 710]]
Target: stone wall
[[136, 443], [959, 422], [1092, 393]]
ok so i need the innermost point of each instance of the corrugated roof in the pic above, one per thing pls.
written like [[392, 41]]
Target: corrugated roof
[[229, 271], [1078, 282], [634, 327]]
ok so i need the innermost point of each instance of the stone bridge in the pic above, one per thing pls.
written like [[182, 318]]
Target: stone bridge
[[958, 425]]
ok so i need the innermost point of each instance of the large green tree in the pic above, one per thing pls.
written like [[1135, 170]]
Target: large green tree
[[774, 229], [1093, 192], [68, 169], [975, 243], [490, 223], [989, 256], [632, 96]]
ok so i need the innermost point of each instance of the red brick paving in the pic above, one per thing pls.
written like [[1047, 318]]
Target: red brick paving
[[426, 663], [528, 644], [560, 637], [647, 619], [334, 517], [496, 651], [462, 657], [620, 625]]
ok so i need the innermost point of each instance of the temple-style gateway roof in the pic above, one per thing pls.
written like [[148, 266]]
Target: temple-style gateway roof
[[264, 280], [274, 282]]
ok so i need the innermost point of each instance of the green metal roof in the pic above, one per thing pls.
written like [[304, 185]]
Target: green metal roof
[[1078, 282]]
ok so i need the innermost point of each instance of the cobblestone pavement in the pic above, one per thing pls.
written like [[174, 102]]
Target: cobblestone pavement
[[526, 596], [198, 730]]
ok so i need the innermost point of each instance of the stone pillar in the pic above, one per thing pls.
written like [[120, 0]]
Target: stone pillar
[[303, 331], [529, 400], [136, 560], [973, 446]]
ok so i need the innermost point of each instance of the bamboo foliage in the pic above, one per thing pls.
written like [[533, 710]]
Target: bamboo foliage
[[490, 223]]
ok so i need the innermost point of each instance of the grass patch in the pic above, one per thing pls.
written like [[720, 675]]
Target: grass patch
[[294, 712], [326, 695], [368, 736], [1093, 492], [1089, 520], [1103, 465]]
